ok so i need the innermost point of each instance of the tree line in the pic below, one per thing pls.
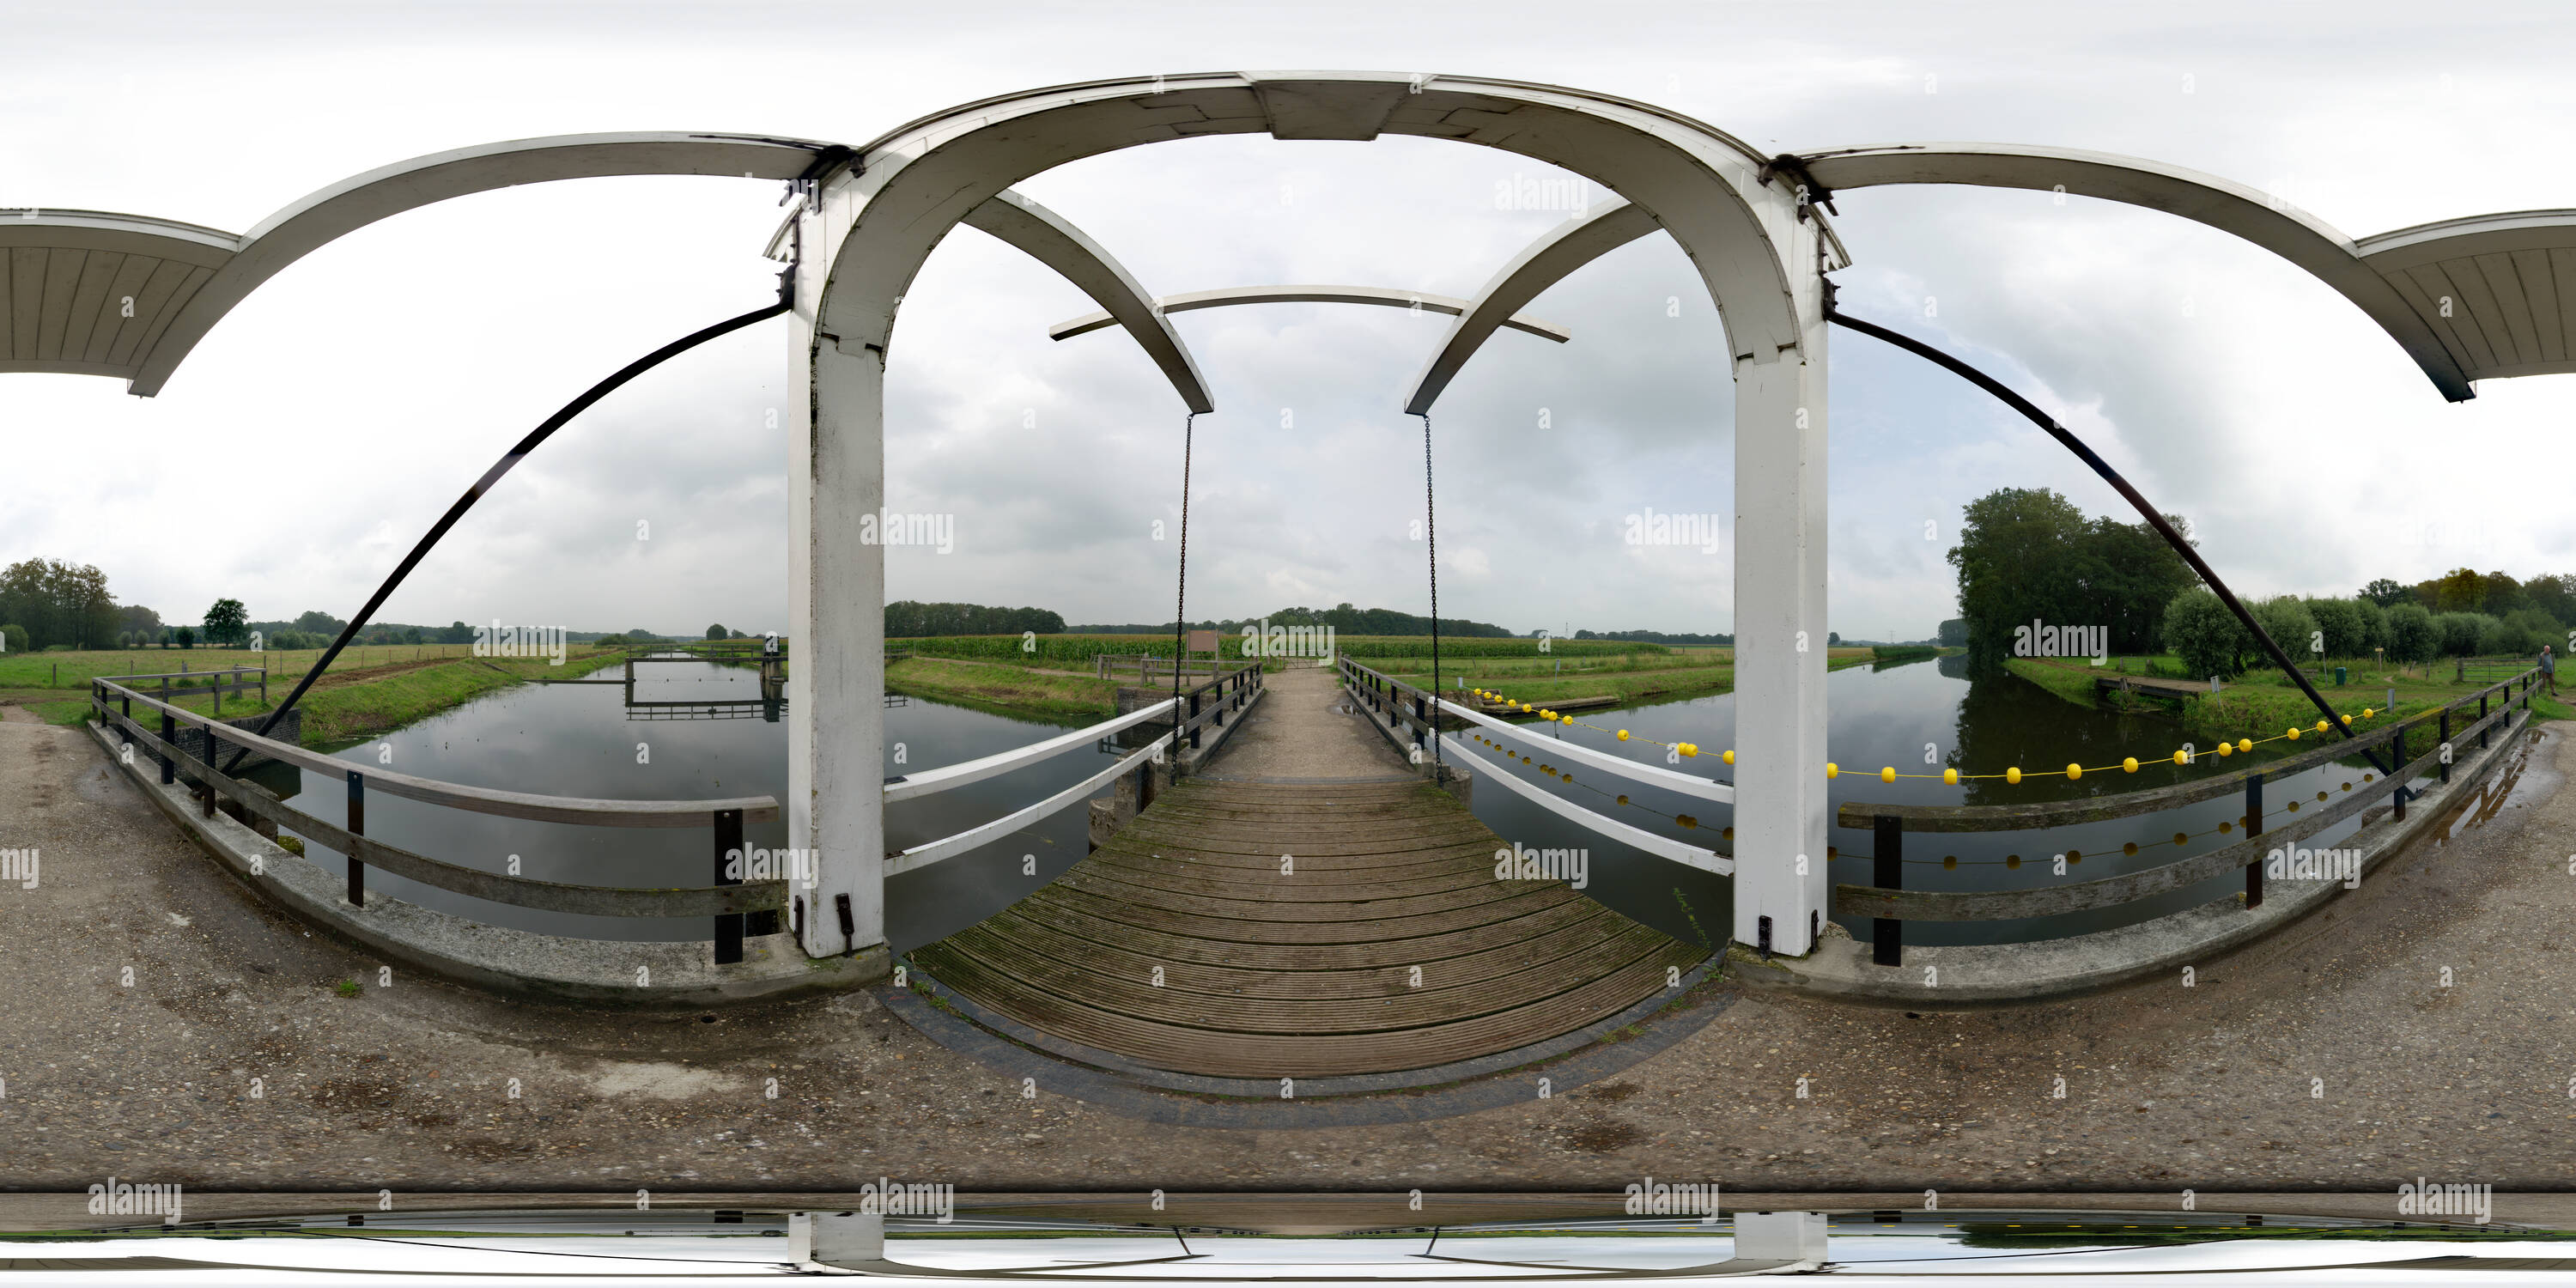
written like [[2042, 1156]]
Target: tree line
[[2029, 555]]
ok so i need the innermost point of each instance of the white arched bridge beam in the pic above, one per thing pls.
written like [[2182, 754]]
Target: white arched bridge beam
[[1063, 247], [1547, 261], [2499, 289], [1415, 300], [83, 292], [94, 293], [1756, 247], [2230, 207], [354, 203]]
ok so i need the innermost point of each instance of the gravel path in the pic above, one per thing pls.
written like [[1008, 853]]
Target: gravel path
[[408, 1087]]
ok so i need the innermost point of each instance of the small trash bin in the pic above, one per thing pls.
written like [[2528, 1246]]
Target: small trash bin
[[2343, 676]]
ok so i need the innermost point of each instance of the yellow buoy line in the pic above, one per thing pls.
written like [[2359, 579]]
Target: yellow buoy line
[[1888, 774], [2131, 848]]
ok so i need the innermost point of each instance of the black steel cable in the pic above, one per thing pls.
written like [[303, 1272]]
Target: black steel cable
[[492, 476], [2031, 411]]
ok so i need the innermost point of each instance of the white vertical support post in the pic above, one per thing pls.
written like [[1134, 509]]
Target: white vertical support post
[[1780, 615], [836, 625], [846, 1240], [1781, 1236]]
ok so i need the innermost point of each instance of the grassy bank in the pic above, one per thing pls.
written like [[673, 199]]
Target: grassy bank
[[2261, 705], [1685, 674], [350, 702], [1075, 652], [1020, 692]]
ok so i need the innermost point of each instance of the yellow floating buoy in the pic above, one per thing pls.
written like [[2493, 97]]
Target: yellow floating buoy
[[2182, 757], [2013, 775], [2226, 749], [1728, 757], [2130, 765], [2245, 744], [1833, 770], [1950, 776], [2368, 712], [1623, 735], [1887, 775], [2075, 771], [1690, 749], [2293, 734], [2322, 726]]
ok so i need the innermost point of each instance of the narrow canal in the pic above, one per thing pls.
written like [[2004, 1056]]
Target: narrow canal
[[583, 740]]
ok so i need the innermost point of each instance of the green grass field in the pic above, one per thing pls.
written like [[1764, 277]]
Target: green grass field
[[366, 691], [2261, 704], [1075, 652]]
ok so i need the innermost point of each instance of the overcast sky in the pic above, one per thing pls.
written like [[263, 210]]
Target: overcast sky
[[329, 420]]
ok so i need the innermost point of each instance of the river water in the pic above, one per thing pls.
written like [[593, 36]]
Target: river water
[[582, 740]]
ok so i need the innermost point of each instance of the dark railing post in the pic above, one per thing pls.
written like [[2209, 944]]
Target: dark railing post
[[2445, 742], [2398, 744], [169, 739], [2253, 828], [1887, 867], [209, 783], [1194, 713], [2482, 716], [357, 827], [729, 853]]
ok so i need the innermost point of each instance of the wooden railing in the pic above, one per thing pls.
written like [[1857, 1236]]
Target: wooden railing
[[1890, 905], [1152, 667], [234, 685], [1202, 706], [1410, 710], [728, 901]]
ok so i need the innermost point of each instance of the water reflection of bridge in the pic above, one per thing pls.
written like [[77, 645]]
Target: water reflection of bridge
[[768, 656]]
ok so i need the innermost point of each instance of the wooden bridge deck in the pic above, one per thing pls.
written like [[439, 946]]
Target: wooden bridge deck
[[1307, 966]]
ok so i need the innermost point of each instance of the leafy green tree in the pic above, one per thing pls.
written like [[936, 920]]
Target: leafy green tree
[[2030, 554], [2013, 567], [13, 638], [2412, 636], [2462, 631], [2460, 590], [322, 623], [2347, 635], [59, 603], [2526, 629], [2289, 624], [1954, 633], [184, 637], [2554, 594], [2374, 625], [2385, 593], [226, 622], [2209, 639], [2501, 595], [718, 632]]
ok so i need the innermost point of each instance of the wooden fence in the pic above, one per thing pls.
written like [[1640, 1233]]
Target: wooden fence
[[729, 902], [1890, 905]]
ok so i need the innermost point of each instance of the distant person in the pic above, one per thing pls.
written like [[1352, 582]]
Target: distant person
[[2549, 670]]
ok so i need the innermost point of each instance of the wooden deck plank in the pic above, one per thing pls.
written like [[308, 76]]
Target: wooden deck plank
[[1402, 1007], [1231, 1053], [1165, 945], [1389, 946], [1381, 979]]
